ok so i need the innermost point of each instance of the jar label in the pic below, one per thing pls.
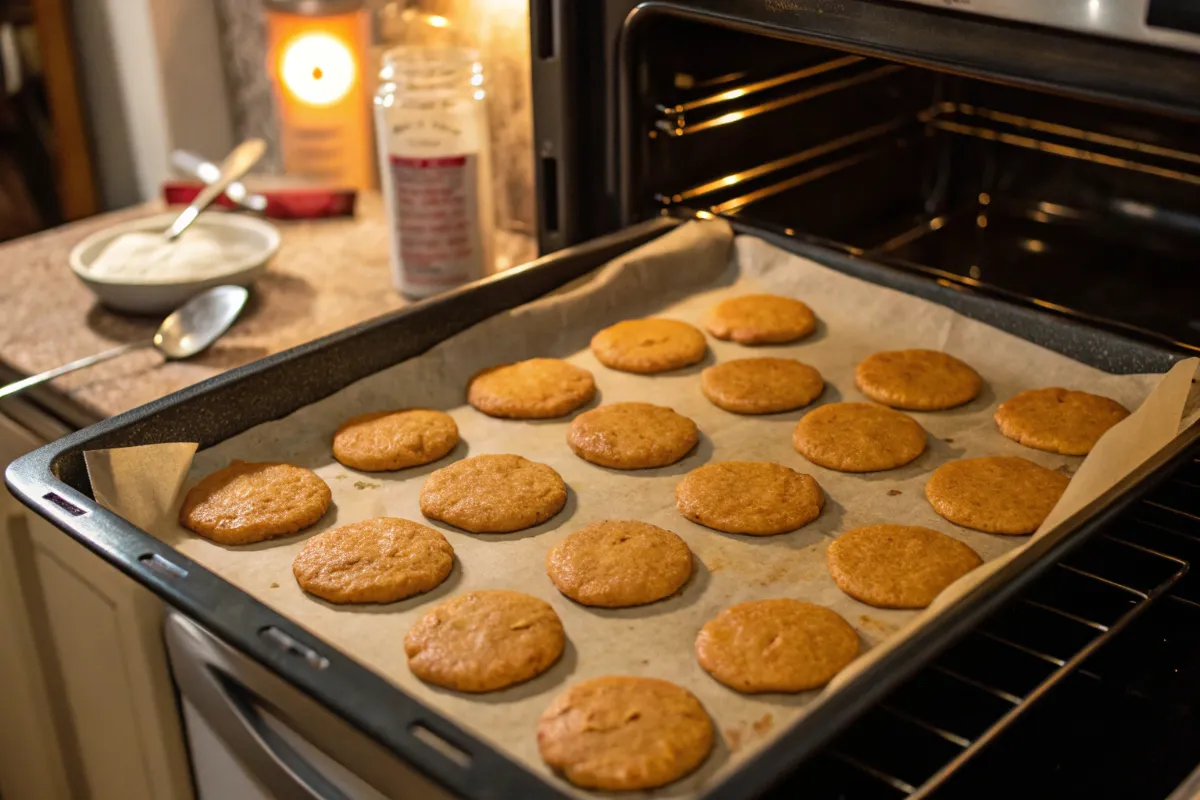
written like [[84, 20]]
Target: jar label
[[436, 204]]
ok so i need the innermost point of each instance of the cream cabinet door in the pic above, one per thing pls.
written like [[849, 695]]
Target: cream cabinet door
[[98, 717]]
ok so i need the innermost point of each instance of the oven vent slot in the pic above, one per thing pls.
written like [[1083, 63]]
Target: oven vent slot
[[1068, 627]]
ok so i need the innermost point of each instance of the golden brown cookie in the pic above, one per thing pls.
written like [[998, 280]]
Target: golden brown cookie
[[388, 440], [1058, 420], [632, 436], [379, 560], [761, 319], [919, 380], [754, 497], [779, 645], [618, 733], [485, 641], [897, 566], [249, 502], [649, 345], [618, 563], [761, 385], [493, 494], [858, 437], [997, 494], [539, 388]]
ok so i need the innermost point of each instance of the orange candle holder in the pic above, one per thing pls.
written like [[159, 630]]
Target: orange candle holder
[[316, 56]]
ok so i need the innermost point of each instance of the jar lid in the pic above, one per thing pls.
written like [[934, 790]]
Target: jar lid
[[313, 8]]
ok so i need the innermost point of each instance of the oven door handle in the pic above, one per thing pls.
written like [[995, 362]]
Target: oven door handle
[[231, 709], [291, 744]]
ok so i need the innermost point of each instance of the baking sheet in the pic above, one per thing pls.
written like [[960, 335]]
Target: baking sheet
[[680, 276]]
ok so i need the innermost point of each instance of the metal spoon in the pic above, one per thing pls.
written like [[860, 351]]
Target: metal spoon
[[190, 329], [235, 165]]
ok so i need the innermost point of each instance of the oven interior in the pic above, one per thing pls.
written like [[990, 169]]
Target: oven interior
[[1089, 209], [1087, 684]]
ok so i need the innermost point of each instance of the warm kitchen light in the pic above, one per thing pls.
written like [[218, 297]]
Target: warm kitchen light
[[317, 68]]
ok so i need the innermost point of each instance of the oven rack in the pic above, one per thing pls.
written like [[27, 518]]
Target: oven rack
[[1078, 622], [963, 119], [771, 94]]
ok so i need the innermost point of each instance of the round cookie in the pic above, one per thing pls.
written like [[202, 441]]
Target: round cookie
[[618, 733], [918, 380], [493, 494], [649, 345], [997, 494], [897, 566], [761, 385], [540, 388], [617, 563], [754, 497], [780, 645], [632, 436], [248, 502], [485, 641], [389, 440], [761, 319], [1058, 420], [858, 437], [379, 560]]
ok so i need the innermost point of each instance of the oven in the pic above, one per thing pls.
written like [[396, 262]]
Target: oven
[[1042, 154], [1033, 165]]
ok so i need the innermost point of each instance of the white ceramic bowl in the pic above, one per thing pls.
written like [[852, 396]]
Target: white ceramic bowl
[[257, 242]]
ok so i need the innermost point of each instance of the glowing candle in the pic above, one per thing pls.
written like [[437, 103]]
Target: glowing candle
[[316, 60]]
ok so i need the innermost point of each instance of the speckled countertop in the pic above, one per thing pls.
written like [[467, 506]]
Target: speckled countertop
[[328, 274]]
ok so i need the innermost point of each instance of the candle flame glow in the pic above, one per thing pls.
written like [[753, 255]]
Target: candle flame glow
[[317, 68]]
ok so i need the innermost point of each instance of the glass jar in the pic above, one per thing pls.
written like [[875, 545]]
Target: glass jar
[[435, 162]]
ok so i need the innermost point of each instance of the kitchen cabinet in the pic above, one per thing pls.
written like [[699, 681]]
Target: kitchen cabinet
[[88, 708]]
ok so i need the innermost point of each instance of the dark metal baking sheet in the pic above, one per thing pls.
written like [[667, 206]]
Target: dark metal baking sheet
[[52, 481]]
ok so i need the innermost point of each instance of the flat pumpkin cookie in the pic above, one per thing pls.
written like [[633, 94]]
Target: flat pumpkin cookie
[[997, 494], [1058, 420], [761, 385], [858, 437], [540, 388], [389, 440], [919, 380], [248, 502], [897, 566], [379, 560], [484, 641], [620, 733], [649, 345], [619, 563], [632, 436], [493, 494], [761, 319], [754, 497], [780, 645]]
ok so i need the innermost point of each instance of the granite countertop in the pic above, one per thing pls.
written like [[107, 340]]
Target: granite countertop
[[327, 275]]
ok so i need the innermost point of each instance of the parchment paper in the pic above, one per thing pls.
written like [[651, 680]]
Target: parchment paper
[[681, 276]]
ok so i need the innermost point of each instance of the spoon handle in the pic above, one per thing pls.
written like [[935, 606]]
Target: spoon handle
[[235, 165], [42, 377]]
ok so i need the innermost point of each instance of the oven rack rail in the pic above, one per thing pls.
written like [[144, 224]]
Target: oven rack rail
[[767, 95], [828, 158], [1015, 659]]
